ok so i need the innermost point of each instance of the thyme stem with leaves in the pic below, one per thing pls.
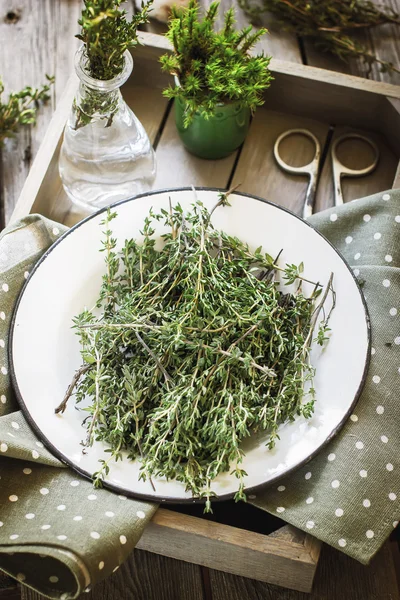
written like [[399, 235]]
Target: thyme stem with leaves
[[21, 108]]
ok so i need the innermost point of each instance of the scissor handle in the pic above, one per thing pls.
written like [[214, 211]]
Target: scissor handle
[[340, 170], [311, 169]]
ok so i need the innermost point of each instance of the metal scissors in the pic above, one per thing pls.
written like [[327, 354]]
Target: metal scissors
[[338, 169]]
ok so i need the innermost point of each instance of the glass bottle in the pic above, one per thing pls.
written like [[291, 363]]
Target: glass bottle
[[106, 154]]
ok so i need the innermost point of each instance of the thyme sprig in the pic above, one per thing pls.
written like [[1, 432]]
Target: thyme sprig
[[21, 108], [107, 34], [196, 348], [329, 24]]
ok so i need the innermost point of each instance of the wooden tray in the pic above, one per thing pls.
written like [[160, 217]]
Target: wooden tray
[[252, 544]]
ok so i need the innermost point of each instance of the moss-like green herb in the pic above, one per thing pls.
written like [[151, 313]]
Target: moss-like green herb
[[214, 67], [196, 348], [329, 24], [107, 34], [21, 108]]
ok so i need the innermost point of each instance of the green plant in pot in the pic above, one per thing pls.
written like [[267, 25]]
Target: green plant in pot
[[218, 83]]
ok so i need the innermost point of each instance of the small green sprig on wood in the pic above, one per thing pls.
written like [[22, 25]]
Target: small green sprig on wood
[[192, 348], [330, 25], [214, 67], [107, 34], [21, 108]]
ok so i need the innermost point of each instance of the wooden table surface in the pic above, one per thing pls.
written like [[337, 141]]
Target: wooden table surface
[[37, 37]]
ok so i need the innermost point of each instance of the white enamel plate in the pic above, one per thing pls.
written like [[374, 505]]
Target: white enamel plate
[[44, 349]]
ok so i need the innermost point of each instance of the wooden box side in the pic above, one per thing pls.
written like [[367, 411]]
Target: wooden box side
[[288, 558]]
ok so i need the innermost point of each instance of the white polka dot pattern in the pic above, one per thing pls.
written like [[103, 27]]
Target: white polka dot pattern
[[370, 534]]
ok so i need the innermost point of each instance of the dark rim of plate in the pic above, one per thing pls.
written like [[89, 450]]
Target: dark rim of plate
[[171, 499]]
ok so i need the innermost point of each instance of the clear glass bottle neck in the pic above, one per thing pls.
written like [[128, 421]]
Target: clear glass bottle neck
[[98, 99], [100, 85]]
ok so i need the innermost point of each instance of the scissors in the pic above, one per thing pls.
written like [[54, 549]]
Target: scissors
[[338, 169]]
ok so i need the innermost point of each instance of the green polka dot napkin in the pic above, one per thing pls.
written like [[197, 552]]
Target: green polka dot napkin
[[349, 495], [59, 535]]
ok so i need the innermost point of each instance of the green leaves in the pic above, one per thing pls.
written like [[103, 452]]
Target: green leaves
[[21, 108], [107, 34], [329, 24], [214, 67], [191, 349]]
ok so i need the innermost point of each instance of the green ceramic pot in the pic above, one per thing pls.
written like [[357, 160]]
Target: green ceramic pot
[[216, 137]]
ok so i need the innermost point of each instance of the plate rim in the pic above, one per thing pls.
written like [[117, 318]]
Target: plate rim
[[172, 499]]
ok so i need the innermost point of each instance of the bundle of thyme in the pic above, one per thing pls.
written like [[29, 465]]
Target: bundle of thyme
[[21, 108], [214, 67], [196, 348], [329, 24], [107, 34]]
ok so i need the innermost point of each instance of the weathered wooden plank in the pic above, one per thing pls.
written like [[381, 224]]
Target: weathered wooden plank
[[177, 167], [145, 576], [45, 33], [206, 543], [258, 173], [338, 578]]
